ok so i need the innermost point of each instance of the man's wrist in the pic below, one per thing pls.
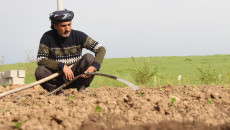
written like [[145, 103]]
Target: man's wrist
[[60, 66], [96, 65]]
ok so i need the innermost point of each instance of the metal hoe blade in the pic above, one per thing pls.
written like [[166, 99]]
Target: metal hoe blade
[[94, 73], [128, 83]]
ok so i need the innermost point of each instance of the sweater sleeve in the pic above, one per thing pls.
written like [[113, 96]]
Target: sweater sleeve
[[98, 49], [44, 60]]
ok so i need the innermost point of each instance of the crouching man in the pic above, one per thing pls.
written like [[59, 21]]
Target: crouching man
[[61, 47]]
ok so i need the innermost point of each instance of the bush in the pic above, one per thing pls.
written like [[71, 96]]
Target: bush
[[208, 76], [142, 74]]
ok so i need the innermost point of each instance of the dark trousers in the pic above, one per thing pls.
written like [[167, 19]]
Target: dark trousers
[[78, 68]]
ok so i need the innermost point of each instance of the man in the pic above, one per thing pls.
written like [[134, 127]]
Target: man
[[61, 47]]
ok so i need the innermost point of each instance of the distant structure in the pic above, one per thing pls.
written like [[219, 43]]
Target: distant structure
[[12, 77]]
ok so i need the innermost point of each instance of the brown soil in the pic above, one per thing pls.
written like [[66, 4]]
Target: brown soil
[[150, 108]]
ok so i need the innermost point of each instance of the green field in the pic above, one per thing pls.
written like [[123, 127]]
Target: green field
[[194, 70]]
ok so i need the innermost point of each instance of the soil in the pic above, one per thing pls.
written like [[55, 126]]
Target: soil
[[105, 108]]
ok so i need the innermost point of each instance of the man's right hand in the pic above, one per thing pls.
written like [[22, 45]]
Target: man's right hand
[[68, 72]]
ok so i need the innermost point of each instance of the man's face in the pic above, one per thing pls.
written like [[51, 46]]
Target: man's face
[[63, 28]]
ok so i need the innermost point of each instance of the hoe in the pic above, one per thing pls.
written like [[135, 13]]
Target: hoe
[[67, 83]]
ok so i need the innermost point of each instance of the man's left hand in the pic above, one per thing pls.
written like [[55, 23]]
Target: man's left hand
[[90, 69]]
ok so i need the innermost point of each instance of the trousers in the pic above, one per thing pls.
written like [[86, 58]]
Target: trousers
[[78, 68]]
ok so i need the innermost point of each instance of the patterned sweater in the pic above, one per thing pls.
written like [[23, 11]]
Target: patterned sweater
[[56, 51]]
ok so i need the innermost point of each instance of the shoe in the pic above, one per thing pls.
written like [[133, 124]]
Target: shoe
[[60, 93], [82, 90]]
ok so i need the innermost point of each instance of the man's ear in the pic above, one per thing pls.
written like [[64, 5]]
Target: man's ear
[[55, 26]]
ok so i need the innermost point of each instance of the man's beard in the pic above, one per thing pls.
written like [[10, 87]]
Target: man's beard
[[65, 34]]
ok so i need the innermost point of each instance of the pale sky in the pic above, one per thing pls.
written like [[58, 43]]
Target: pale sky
[[125, 27]]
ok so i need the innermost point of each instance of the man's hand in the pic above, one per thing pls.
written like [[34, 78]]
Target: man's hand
[[90, 69], [68, 72]]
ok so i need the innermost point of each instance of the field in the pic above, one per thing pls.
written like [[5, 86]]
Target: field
[[200, 100], [215, 69]]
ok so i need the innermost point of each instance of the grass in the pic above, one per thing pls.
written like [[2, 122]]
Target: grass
[[168, 69], [194, 70], [29, 76]]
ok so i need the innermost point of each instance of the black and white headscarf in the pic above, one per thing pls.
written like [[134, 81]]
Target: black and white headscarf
[[61, 16]]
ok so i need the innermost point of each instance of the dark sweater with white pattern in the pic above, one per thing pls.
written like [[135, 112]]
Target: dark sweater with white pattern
[[55, 51]]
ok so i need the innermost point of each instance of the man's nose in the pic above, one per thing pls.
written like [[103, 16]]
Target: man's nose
[[67, 28]]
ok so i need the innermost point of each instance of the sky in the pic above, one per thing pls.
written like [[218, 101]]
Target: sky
[[138, 28]]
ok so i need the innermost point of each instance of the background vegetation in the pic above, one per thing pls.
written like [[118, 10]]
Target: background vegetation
[[153, 71]]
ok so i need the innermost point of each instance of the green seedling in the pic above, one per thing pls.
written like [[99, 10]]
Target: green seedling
[[6, 84], [97, 109], [23, 102], [162, 89], [40, 105], [17, 124], [140, 93], [70, 97], [173, 100], [210, 101]]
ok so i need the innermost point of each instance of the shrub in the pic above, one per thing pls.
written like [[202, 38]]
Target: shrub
[[208, 76], [142, 74]]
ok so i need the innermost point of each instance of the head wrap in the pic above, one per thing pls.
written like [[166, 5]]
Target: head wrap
[[61, 16]]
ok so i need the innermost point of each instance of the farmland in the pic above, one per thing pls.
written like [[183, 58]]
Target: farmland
[[200, 100]]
